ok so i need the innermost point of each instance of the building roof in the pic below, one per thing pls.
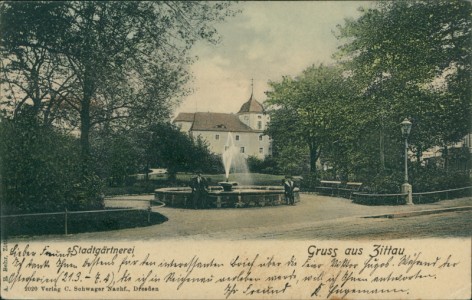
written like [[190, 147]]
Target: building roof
[[209, 121], [184, 117], [252, 105]]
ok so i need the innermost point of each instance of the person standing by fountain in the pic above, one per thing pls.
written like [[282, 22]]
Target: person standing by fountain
[[289, 187], [199, 187]]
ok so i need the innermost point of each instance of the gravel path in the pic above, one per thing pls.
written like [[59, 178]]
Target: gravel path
[[315, 217]]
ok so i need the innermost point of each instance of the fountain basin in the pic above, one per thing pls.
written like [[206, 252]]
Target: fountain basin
[[239, 196], [227, 185]]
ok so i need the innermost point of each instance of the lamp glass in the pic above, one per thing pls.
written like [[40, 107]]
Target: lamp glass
[[406, 127]]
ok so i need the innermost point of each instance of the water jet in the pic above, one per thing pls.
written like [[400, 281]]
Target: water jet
[[229, 194]]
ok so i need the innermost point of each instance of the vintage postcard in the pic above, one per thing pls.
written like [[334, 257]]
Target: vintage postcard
[[236, 150]]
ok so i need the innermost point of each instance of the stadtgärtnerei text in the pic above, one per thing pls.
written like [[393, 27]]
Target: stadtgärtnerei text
[[402, 269]]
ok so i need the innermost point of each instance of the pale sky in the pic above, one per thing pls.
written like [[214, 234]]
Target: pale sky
[[266, 41]]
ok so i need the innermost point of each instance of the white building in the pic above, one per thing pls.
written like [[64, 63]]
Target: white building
[[435, 154], [246, 127]]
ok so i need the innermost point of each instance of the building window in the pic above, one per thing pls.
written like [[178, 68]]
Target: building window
[[241, 150], [260, 137], [237, 138], [217, 137], [259, 125], [226, 148], [259, 117], [261, 150]]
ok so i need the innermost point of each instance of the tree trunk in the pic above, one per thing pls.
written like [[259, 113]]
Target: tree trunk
[[146, 172], [313, 158], [382, 125], [84, 136], [85, 123], [171, 176], [36, 92], [419, 153], [382, 148], [446, 158]]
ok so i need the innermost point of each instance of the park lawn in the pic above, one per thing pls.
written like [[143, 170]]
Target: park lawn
[[258, 178], [183, 179]]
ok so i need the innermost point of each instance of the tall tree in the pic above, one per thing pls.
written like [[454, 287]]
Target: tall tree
[[412, 59], [170, 148], [305, 110], [122, 55], [33, 77]]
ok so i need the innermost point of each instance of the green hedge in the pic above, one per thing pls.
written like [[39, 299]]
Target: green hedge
[[41, 170], [77, 223]]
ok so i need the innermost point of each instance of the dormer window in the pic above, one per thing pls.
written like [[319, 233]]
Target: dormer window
[[220, 126]]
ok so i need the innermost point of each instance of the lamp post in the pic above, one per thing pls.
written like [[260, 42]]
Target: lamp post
[[406, 187]]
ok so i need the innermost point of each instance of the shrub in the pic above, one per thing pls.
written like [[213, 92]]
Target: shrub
[[427, 179], [310, 181], [268, 165], [389, 183], [77, 223], [41, 170]]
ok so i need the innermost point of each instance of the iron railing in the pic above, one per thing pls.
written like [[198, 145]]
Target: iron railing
[[365, 198], [67, 213], [337, 190], [423, 197], [426, 197]]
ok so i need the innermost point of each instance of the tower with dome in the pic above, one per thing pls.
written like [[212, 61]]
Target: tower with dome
[[246, 126]]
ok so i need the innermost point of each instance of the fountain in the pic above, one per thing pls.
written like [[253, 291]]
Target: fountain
[[229, 193], [232, 157]]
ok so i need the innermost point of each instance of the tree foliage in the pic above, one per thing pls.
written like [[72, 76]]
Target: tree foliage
[[124, 58], [39, 168], [96, 69], [305, 112], [121, 154], [170, 148], [412, 59], [400, 59]]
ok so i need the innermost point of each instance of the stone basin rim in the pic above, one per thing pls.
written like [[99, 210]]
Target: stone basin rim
[[217, 189], [239, 196]]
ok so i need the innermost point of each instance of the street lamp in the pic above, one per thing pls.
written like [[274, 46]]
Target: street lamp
[[406, 187]]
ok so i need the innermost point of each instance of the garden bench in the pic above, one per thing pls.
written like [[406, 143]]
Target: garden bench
[[343, 189], [352, 187]]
